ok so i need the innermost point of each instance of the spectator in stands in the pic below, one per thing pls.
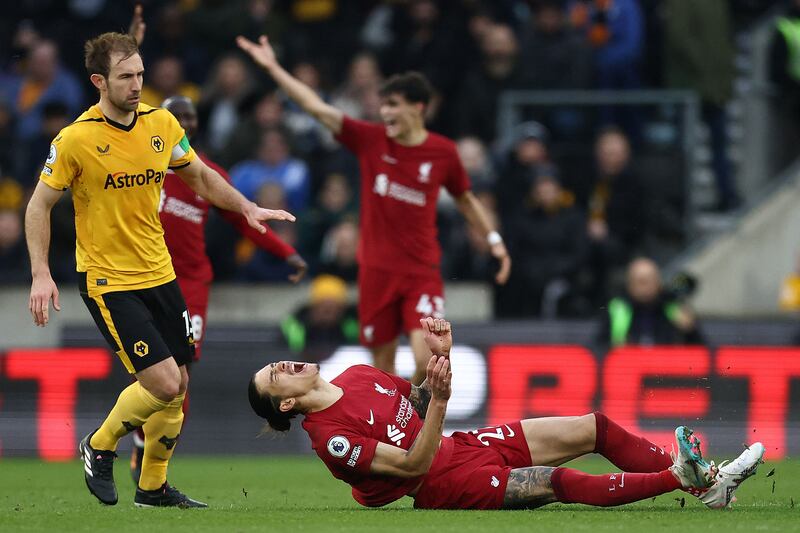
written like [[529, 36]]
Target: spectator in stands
[[789, 299], [425, 40], [699, 56], [267, 114], [615, 29], [338, 253], [31, 154], [528, 150], [308, 134], [555, 57], [784, 73], [335, 203], [784, 66], [171, 38], [646, 315], [8, 145], [466, 256], [547, 240], [498, 70], [220, 105], [325, 323], [43, 80], [363, 77], [616, 208], [14, 266], [476, 162], [165, 78], [273, 163]]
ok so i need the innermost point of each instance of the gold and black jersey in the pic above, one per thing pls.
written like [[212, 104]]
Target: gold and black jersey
[[116, 174]]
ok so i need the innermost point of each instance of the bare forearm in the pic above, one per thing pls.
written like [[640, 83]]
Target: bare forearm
[[307, 99], [473, 211], [420, 455], [37, 234], [219, 192]]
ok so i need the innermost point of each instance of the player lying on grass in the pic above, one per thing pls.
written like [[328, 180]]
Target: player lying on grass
[[383, 436]]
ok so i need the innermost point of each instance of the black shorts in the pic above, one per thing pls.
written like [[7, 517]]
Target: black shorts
[[144, 326]]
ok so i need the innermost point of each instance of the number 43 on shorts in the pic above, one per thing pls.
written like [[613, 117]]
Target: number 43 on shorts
[[428, 306]]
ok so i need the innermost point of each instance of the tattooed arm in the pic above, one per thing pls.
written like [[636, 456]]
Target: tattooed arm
[[529, 488], [420, 397]]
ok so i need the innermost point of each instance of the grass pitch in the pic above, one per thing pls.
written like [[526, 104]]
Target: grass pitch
[[298, 494]]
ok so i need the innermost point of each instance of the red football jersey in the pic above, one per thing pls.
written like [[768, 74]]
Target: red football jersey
[[183, 215], [374, 408], [399, 189]]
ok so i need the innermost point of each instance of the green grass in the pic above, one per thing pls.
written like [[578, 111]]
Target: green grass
[[298, 494]]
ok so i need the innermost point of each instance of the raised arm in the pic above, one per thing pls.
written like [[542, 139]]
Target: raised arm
[[393, 461], [264, 56], [207, 182], [476, 215], [37, 233]]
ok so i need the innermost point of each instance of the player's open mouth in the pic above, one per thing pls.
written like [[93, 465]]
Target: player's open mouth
[[296, 368]]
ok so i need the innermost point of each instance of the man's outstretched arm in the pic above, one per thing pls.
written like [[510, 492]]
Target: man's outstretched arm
[[207, 182], [264, 56]]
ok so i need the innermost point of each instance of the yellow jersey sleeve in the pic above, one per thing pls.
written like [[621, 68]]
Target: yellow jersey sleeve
[[61, 166], [182, 152]]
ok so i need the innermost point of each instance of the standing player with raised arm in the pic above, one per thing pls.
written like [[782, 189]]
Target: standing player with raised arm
[[115, 157], [403, 166], [383, 436]]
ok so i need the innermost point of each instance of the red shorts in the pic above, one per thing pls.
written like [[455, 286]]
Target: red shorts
[[196, 295], [476, 474], [390, 304]]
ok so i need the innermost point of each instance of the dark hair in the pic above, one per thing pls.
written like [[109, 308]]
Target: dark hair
[[268, 407], [97, 51], [411, 85]]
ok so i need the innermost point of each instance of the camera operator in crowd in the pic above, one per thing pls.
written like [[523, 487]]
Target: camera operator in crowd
[[648, 313]]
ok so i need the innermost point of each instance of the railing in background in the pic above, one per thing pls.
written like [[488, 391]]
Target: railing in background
[[673, 108]]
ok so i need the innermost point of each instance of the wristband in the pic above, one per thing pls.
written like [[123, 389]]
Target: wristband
[[494, 238]]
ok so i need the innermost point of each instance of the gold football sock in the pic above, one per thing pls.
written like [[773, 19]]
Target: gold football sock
[[161, 432], [134, 406]]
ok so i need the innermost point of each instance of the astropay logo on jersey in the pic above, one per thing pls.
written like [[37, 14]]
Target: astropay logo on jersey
[[123, 180]]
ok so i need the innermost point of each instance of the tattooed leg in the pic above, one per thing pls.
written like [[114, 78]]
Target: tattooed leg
[[529, 488]]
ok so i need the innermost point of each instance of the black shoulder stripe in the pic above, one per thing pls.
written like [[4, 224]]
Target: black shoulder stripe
[[86, 120], [140, 113], [178, 167]]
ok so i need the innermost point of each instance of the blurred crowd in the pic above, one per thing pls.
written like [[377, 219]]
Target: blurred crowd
[[570, 190]]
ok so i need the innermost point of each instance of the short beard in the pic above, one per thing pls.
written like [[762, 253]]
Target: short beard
[[123, 105]]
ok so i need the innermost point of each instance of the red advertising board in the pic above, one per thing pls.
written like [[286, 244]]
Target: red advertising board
[[740, 394]]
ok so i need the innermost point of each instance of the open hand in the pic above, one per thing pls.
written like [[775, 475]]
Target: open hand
[[299, 265], [262, 52], [500, 253], [137, 26], [43, 289], [438, 335], [256, 215]]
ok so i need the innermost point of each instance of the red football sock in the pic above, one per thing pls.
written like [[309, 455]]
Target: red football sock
[[627, 451], [606, 490]]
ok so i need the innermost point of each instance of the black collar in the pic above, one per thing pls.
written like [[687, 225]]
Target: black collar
[[123, 127]]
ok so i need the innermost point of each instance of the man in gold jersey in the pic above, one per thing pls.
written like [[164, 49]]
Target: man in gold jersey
[[114, 158]]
